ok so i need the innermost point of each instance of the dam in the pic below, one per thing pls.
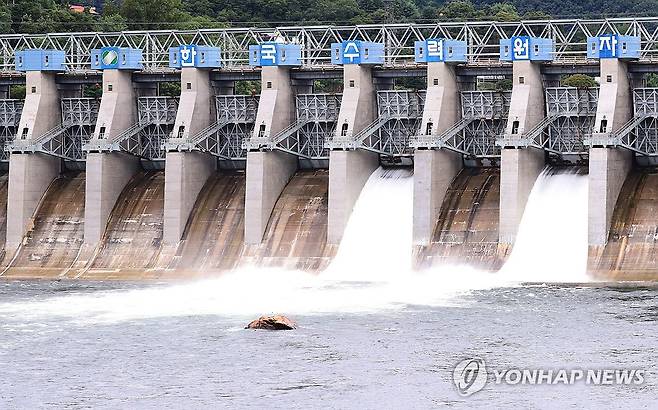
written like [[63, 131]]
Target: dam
[[259, 155]]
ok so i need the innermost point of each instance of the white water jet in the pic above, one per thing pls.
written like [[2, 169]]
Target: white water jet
[[551, 244], [377, 240], [371, 272]]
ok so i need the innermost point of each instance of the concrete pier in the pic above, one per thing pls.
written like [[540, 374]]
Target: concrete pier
[[348, 173], [30, 174], [187, 172], [108, 173], [349, 170], [41, 109], [29, 178], [276, 109], [434, 170], [118, 108], [267, 175], [268, 172], [520, 167], [195, 107], [608, 167]]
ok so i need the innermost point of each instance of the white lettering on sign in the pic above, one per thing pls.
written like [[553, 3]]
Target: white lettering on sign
[[187, 56], [521, 48], [350, 52], [608, 45], [435, 48], [268, 52]]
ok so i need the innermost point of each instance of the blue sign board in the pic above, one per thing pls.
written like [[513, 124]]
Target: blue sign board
[[613, 46], [525, 48], [116, 58], [440, 50], [275, 54], [357, 52], [40, 60], [192, 55]]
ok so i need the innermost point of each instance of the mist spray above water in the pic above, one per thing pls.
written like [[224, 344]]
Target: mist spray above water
[[372, 270]]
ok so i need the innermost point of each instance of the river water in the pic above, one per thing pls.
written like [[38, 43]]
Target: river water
[[372, 334]]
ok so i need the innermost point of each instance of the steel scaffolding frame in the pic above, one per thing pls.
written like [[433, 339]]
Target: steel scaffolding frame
[[482, 37], [484, 117], [10, 116], [146, 138], [570, 114], [66, 140], [640, 133], [316, 116], [235, 116], [316, 121]]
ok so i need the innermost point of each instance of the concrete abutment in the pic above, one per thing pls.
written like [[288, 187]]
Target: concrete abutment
[[520, 167], [608, 167], [434, 170]]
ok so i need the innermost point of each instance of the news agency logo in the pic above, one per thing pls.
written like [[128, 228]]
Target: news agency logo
[[470, 376]]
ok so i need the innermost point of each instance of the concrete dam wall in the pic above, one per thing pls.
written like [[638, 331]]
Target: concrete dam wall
[[466, 232], [140, 183], [632, 244], [54, 239], [213, 242]]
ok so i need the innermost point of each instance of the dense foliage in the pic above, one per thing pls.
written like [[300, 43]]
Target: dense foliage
[[39, 16]]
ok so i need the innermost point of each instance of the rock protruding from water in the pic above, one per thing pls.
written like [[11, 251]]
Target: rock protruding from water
[[276, 322]]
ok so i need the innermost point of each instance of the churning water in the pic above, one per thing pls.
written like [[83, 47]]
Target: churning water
[[551, 245], [372, 332], [371, 271]]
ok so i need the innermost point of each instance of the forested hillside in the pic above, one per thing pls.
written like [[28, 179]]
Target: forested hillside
[[38, 16]]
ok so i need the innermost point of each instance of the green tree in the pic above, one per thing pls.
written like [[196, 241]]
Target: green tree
[[579, 81], [169, 89], [154, 14], [247, 87], [502, 12], [17, 92], [652, 80], [458, 10]]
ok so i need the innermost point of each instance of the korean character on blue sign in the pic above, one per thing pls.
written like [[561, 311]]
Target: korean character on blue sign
[[524, 48], [521, 48], [357, 52], [438, 50], [275, 54], [613, 46], [188, 55]]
